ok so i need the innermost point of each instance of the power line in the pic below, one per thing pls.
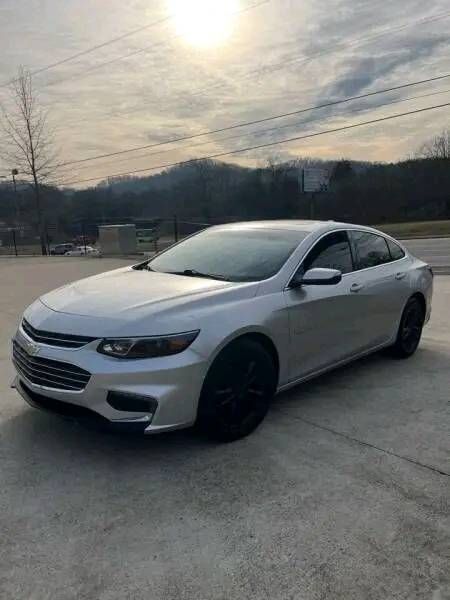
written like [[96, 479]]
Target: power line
[[257, 121], [264, 131], [265, 145], [301, 60], [138, 51], [343, 46], [97, 66], [91, 49]]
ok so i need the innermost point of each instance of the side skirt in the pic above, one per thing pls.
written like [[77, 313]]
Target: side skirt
[[341, 363]]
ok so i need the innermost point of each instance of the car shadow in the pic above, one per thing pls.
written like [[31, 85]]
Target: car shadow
[[379, 370], [33, 433], [40, 437], [336, 378]]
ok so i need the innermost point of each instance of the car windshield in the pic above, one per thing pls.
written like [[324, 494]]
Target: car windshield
[[233, 255]]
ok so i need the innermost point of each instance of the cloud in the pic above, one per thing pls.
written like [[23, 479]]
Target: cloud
[[361, 73], [283, 55]]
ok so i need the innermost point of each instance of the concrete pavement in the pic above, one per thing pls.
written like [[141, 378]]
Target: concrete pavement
[[343, 493]]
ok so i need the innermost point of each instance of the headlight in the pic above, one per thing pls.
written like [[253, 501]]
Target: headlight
[[150, 347]]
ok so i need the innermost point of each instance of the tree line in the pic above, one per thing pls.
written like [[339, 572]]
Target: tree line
[[208, 191], [211, 192]]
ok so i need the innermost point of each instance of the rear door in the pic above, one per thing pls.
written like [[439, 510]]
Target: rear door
[[326, 321], [381, 273]]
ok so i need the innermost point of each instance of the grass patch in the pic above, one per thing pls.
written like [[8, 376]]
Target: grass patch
[[417, 229]]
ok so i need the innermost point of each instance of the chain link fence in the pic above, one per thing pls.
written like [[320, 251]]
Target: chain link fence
[[21, 241], [152, 235]]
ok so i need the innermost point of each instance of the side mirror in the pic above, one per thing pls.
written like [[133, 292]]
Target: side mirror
[[317, 277]]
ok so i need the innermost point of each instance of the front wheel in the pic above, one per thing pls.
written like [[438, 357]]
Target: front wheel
[[410, 329], [237, 391]]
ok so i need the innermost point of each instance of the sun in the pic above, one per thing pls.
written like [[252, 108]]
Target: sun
[[204, 23]]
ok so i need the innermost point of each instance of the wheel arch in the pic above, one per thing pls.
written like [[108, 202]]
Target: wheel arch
[[259, 336], [421, 298]]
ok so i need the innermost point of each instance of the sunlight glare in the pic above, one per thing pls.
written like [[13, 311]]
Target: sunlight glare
[[204, 23]]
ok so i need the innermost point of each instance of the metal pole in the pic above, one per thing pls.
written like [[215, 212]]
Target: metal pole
[[15, 172], [175, 227], [83, 234], [48, 241], [14, 241]]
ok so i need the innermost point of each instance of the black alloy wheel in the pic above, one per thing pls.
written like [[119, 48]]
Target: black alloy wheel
[[410, 330], [237, 391]]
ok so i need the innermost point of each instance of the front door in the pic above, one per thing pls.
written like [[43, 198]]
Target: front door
[[326, 321]]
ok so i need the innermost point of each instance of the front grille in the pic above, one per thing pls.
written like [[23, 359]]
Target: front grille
[[63, 340], [50, 373]]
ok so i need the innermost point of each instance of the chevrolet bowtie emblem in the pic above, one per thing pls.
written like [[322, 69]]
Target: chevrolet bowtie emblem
[[30, 348]]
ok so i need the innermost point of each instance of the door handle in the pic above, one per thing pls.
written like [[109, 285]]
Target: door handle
[[400, 276], [356, 287]]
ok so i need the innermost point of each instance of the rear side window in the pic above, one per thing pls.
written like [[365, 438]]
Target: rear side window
[[331, 252], [395, 250], [371, 250]]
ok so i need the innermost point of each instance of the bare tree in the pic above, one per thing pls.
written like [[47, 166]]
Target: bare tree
[[438, 147], [28, 142]]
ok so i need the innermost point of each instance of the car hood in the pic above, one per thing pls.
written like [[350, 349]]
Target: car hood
[[118, 292]]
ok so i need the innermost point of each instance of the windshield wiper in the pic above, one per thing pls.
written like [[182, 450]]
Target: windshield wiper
[[194, 273]]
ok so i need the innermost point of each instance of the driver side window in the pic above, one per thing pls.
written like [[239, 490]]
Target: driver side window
[[331, 252]]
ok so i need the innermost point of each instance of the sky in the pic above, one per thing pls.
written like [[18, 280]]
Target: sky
[[198, 65]]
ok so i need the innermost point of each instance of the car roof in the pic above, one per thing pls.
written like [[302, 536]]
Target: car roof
[[286, 224], [292, 225]]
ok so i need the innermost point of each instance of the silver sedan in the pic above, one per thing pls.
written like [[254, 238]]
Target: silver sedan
[[209, 330]]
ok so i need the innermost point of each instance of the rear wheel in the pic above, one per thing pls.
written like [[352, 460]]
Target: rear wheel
[[410, 329], [237, 391]]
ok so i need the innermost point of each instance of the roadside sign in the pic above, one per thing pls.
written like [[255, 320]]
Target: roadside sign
[[314, 180]]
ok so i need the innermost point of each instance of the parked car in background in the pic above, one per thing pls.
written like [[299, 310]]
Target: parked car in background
[[146, 239], [83, 251], [209, 330], [61, 249]]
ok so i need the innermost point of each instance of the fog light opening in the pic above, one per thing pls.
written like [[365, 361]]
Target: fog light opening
[[127, 402]]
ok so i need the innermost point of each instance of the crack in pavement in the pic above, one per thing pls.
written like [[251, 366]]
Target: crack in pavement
[[366, 444]]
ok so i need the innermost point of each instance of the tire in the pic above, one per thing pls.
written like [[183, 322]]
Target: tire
[[237, 391], [410, 329]]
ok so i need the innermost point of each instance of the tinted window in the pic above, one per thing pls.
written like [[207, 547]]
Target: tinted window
[[237, 255], [372, 250], [331, 252], [396, 252]]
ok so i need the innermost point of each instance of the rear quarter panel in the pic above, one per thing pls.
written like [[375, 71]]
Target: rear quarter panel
[[421, 279]]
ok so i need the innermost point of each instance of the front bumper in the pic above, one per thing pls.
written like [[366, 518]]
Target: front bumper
[[75, 412], [172, 384]]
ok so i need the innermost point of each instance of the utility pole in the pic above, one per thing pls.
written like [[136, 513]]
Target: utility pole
[[175, 228], [311, 206], [13, 232], [14, 173], [83, 234]]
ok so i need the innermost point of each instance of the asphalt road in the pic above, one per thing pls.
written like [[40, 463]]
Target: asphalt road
[[343, 493], [435, 251]]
